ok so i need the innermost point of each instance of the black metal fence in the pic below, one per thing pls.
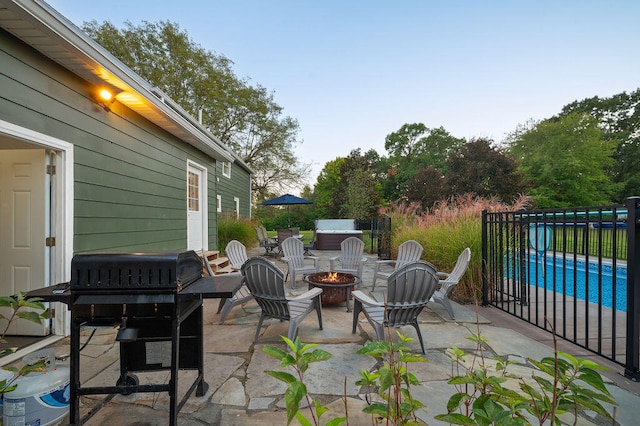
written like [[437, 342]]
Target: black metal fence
[[377, 231], [571, 271]]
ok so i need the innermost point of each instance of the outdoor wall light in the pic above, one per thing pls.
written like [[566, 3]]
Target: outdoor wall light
[[105, 98]]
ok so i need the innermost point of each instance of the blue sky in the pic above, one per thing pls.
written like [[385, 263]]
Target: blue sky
[[351, 72]]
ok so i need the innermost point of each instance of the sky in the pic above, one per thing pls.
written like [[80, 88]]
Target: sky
[[353, 71]]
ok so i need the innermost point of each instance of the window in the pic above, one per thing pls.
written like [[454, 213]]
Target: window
[[236, 206], [226, 169], [219, 205], [193, 187]]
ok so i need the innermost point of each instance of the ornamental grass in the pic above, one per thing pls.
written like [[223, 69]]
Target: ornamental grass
[[239, 228], [445, 231]]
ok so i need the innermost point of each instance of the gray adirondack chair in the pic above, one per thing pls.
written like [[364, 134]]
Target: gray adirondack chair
[[409, 289], [351, 259], [297, 263], [310, 246], [449, 280], [408, 252], [266, 283], [237, 254]]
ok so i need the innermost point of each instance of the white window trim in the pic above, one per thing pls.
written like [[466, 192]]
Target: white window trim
[[219, 203], [204, 202], [236, 206], [226, 165]]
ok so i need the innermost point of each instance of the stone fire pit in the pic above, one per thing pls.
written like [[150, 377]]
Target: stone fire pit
[[336, 286]]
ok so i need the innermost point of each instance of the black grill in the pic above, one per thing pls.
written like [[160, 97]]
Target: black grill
[[133, 272], [157, 300]]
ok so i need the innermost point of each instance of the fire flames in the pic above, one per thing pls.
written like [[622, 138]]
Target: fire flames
[[331, 277], [328, 277]]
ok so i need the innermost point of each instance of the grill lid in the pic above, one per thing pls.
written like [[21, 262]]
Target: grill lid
[[170, 271]]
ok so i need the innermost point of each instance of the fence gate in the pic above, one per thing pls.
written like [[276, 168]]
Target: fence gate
[[384, 237], [570, 271]]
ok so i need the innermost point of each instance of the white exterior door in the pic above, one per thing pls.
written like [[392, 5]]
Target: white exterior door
[[24, 220], [197, 229]]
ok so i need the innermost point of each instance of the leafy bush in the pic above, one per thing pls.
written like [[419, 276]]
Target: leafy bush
[[393, 381], [232, 228], [279, 217], [299, 359], [565, 384], [444, 231], [18, 304]]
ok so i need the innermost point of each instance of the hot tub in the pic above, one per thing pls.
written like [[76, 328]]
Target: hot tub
[[330, 233]]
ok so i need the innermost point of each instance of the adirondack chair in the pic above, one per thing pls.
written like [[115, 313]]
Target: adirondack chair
[[351, 257], [449, 280], [408, 252], [237, 254], [266, 282], [283, 234], [310, 245], [296, 232], [269, 244], [297, 262], [409, 289]]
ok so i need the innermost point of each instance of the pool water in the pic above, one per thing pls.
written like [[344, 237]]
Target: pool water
[[566, 271]]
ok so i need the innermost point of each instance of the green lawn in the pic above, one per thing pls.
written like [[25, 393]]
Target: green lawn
[[598, 241]]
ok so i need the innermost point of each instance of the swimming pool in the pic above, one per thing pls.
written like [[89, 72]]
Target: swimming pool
[[566, 271]]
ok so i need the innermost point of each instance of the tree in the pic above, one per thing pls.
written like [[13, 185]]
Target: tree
[[411, 148], [405, 143], [244, 116], [427, 187], [326, 187], [358, 192], [348, 186], [565, 159], [361, 196], [485, 170], [619, 120], [417, 144]]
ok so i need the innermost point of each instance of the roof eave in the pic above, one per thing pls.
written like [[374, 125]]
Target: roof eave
[[98, 66]]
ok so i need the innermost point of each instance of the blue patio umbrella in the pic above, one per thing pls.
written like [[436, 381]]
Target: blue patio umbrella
[[286, 200]]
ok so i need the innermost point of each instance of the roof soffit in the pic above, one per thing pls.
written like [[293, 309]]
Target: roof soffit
[[43, 28]]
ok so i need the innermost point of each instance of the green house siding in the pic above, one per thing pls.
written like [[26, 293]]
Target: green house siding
[[130, 175], [238, 185]]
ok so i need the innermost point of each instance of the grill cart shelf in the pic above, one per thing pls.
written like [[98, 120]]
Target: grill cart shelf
[[158, 299]]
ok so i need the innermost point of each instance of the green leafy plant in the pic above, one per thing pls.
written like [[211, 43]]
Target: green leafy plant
[[392, 380], [18, 304], [8, 385], [566, 385], [299, 359]]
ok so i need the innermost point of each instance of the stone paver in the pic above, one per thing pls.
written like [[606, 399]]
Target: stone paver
[[340, 372], [241, 393], [505, 341]]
